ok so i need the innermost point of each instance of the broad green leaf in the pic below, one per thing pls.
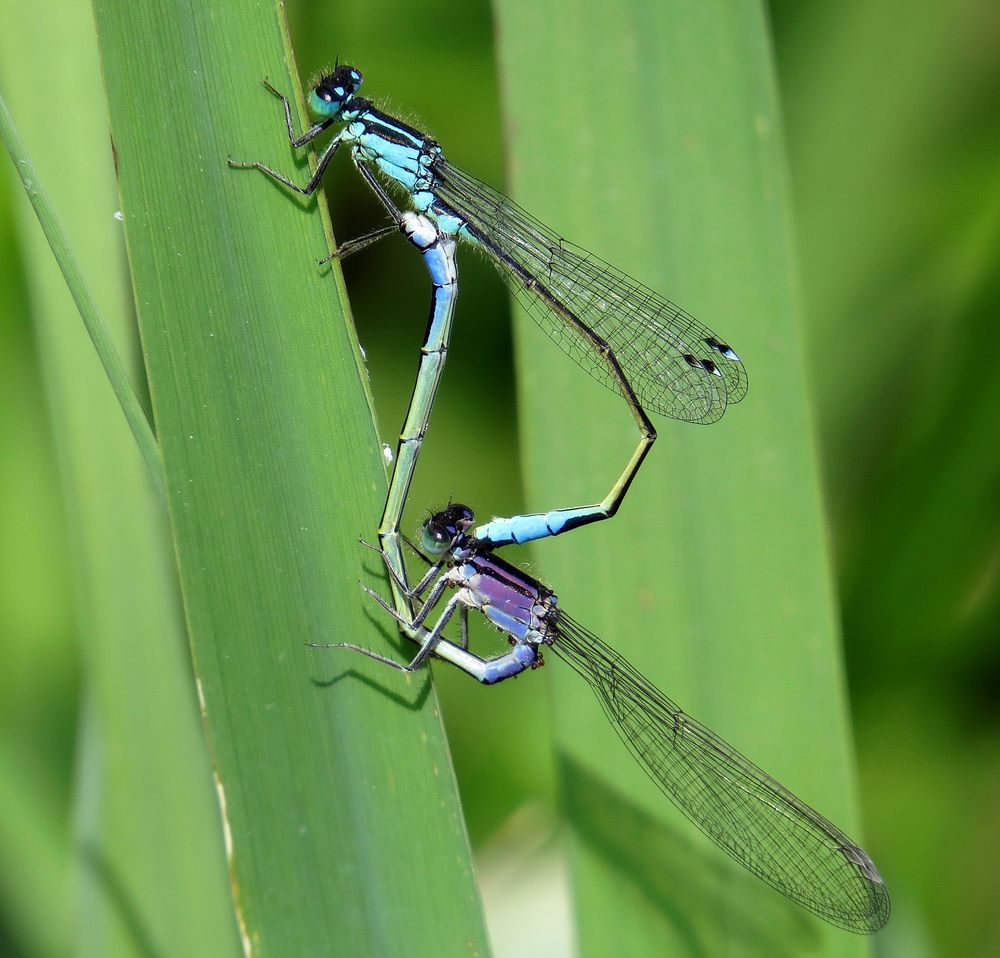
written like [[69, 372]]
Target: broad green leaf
[[341, 814], [650, 133], [148, 873]]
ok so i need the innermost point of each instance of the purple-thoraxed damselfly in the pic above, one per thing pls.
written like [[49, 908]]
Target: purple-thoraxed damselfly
[[749, 815]]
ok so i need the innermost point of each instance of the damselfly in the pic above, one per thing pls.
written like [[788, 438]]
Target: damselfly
[[749, 815], [646, 349]]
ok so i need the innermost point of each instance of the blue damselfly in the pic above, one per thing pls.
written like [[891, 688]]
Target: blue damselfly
[[651, 352]]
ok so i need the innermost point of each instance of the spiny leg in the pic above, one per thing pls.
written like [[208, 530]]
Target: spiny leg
[[307, 135], [415, 622], [379, 190], [297, 141], [421, 586], [350, 247], [314, 180], [429, 640]]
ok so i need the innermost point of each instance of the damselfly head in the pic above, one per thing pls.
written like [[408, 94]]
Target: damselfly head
[[334, 91], [443, 529]]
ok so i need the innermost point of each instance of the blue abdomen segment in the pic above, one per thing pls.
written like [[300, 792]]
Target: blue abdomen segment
[[519, 658], [541, 525], [442, 273]]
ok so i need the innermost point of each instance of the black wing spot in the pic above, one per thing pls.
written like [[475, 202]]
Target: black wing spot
[[723, 348]]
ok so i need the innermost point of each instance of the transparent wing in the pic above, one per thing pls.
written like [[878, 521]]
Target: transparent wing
[[676, 366], [743, 810]]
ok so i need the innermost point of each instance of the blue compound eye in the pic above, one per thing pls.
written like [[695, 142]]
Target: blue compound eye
[[327, 101], [334, 91]]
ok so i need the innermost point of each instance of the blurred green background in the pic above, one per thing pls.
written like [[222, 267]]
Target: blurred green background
[[894, 154]]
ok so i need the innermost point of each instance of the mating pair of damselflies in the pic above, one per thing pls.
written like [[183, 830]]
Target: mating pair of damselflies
[[653, 354]]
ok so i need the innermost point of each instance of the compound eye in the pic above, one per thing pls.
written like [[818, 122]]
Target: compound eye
[[333, 92], [327, 100], [458, 515], [437, 535]]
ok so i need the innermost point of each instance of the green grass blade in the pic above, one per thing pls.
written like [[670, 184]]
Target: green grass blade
[[148, 871], [651, 134], [99, 334], [340, 804]]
